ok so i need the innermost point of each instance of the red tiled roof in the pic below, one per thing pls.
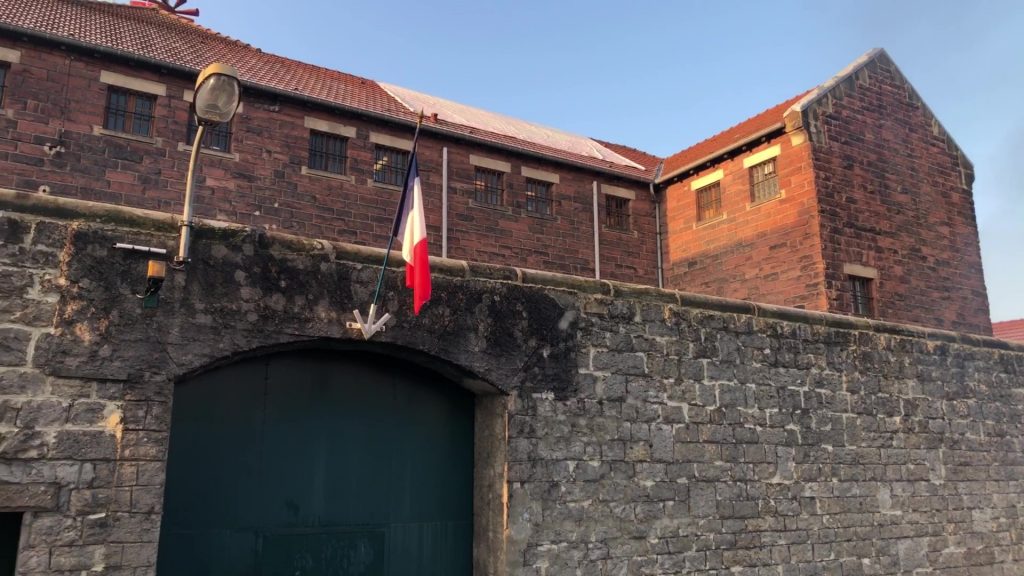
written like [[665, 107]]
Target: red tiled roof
[[729, 138], [1009, 330], [153, 34]]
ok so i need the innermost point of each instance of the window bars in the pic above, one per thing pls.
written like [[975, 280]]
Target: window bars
[[327, 152], [216, 137], [764, 181], [389, 165], [129, 112], [616, 212], [488, 187], [863, 298], [709, 202], [538, 197]]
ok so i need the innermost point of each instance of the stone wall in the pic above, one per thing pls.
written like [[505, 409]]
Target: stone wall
[[648, 432]]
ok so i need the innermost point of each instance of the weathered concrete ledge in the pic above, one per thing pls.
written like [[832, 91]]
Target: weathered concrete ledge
[[52, 207]]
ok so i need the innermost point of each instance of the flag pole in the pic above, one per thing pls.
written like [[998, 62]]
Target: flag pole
[[398, 213], [372, 325]]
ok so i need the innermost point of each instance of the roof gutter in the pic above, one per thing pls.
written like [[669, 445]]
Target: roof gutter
[[131, 56], [717, 153]]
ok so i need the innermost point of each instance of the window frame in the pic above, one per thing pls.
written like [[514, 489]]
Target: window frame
[[617, 212], [766, 182], [222, 131], [487, 193], [322, 157], [130, 115], [383, 164], [716, 201], [862, 296], [538, 197]]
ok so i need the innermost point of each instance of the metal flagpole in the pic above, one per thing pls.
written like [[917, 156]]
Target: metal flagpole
[[372, 325]]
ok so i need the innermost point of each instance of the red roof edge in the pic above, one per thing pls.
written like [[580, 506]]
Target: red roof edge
[[1009, 330], [728, 139]]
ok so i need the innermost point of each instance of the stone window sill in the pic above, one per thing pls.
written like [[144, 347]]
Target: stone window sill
[[182, 147], [711, 221], [539, 216], [99, 131], [621, 231], [778, 196], [494, 207], [322, 174], [376, 184]]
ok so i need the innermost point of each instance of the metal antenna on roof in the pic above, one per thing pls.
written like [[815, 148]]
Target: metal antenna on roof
[[175, 8]]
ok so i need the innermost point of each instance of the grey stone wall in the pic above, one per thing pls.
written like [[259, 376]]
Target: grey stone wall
[[649, 432]]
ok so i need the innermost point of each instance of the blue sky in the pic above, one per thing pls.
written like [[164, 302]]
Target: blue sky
[[660, 76]]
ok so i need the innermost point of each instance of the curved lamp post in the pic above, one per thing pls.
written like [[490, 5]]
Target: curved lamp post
[[218, 93]]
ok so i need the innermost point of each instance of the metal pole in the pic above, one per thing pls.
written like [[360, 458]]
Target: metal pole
[[444, 202], [186, 219], [657, 230], [597, 238]]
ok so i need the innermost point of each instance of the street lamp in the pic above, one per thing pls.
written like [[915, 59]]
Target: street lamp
[[217, 95]]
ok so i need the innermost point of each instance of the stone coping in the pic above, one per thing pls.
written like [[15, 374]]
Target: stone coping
[[83, 210]]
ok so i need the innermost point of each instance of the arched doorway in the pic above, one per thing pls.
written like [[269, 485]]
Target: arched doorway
[[319, 462]]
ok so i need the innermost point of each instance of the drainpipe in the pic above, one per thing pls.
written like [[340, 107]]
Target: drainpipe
[[657, 228], [444, 202], [597, 238]]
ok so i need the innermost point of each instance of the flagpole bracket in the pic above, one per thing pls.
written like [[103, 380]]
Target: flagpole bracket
[[371, 325]]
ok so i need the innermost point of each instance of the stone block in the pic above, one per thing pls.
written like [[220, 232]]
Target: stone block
[[14, 343], [20, 497]]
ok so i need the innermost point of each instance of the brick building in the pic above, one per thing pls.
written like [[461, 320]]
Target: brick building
[[850, 198], [533, 420]]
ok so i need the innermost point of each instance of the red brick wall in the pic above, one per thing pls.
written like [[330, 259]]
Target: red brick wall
[[767, 252], [264, 187], [893, 197]]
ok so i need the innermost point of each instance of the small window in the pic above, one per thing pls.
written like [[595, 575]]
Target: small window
[[616, 212], [538, 197], [216, 137], [389, 165], [327, 152], [709, 202], [488, 186], [764, 181], [863, 296], [3, 83], [10, 532], [129, 112]]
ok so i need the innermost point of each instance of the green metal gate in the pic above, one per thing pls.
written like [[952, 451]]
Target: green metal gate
[[319, 463]]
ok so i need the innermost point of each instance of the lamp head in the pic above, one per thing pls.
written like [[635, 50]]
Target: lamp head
[[218, 93]]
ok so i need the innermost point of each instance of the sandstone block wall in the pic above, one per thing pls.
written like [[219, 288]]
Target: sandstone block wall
[[648, 432]]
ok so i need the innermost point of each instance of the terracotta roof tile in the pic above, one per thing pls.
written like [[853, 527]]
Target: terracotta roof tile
[[1009, 330], [728, 138], [156, 35]]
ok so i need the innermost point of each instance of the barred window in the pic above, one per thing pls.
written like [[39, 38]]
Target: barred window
[[764, 181], [616, 212], [129, 112], [538, 197], [709, 202], [488, 186], [389, 165], [216, 137], [3, 83], [327, 152], [862, 295]]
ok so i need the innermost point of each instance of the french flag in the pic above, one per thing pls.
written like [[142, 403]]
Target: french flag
[[411, 230]]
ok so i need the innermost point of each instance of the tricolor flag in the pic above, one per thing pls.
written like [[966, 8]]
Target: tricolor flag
[[411, 229]]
